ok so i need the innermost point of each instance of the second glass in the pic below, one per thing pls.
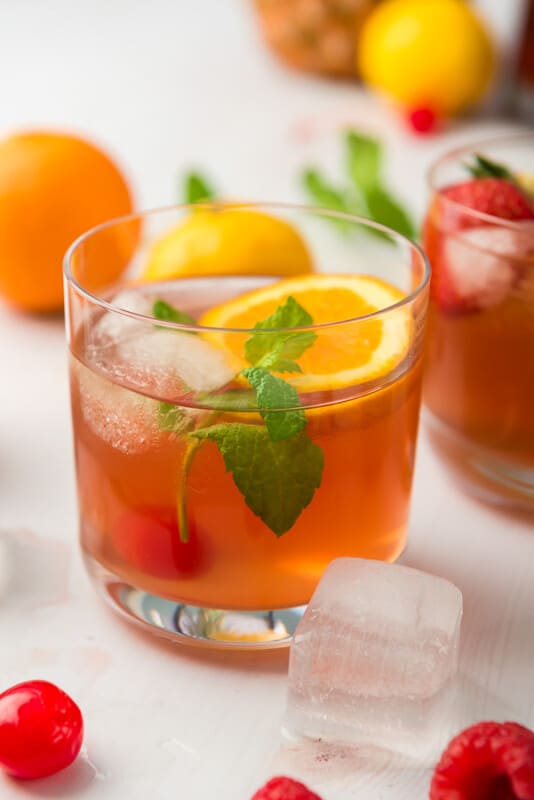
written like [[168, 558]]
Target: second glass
[[222, 464], [479, 378]]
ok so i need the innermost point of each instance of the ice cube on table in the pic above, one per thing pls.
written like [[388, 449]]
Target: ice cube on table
[[373, 659]]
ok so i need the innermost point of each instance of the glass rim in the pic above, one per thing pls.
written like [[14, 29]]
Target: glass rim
[[469, 149], [107, 305]]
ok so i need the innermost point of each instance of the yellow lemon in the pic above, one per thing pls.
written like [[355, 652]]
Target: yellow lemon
[[228, 241], [434, 53], [526, 181], [341, 355]]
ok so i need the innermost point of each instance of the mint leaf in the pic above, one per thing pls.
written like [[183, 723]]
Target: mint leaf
[[164, 311], [231, 400], [275, 393], [271, 348], [277, 479], [364, 160], [322, 192], [284, 364], [485, 168], [197, 189], [385, 209], [171, 417]]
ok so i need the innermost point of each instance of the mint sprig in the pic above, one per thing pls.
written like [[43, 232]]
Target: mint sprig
[[365, 192], [275, 466], [277, 350], [277, 479]]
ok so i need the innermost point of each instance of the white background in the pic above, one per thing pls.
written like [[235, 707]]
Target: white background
[[164, 86]]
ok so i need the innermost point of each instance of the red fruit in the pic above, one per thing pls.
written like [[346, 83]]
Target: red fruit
[[423, 120], [476, 264], [282, 788], [494, 196], [148, 539], [488, 761], [41, 730]]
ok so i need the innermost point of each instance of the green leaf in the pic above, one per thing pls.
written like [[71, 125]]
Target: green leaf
[[286, 365], [485, 168], [271, 348], [164, 311], [197, 189], [277, 479], [364, 160], [385, 209], [231, 400], [274, 393], [322, 192], [173, 418]]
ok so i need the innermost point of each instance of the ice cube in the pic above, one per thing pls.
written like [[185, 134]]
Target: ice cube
[[124, 419], [171, 362], [373, 659], [113, 325], [484, 263], [166, 362]]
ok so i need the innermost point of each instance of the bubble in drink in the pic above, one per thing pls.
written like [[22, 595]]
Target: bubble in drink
[[374, 657]]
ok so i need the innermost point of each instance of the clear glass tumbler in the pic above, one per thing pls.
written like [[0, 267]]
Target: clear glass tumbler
[[479, 378], [222, 463]]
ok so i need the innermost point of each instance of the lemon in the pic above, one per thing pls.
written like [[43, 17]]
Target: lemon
[[228, 242], [526, 181], [427, 53], [342, 354]]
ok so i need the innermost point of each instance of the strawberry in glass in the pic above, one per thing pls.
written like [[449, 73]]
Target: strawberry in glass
[[479, 380]]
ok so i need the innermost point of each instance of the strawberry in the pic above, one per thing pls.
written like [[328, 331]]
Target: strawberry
[[476, 265], [494, 196]]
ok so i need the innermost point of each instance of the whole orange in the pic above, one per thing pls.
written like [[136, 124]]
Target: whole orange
[[53, 187]]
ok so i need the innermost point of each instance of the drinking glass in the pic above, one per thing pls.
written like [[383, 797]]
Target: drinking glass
[[479, 379], [208, 510]]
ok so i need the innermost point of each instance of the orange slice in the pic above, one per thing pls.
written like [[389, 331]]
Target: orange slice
[[342, 355]]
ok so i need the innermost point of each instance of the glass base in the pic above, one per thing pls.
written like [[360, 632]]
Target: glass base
[[193, 625], [481, 472]]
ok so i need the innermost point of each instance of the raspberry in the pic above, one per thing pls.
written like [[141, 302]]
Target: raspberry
[[488, 761], [282, 788]]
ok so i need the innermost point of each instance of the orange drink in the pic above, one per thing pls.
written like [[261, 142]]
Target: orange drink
[[479, 389], [235, 433]]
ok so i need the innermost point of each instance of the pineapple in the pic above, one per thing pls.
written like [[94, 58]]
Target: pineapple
[[315, 35]]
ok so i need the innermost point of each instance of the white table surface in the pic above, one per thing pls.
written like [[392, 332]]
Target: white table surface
[[165, 85]]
